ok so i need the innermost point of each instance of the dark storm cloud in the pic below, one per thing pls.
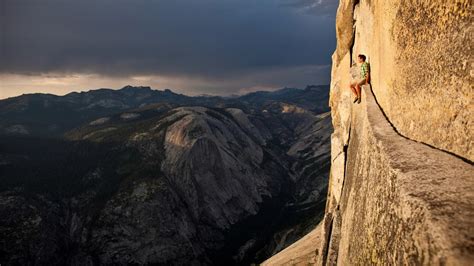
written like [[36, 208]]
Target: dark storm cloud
[[208, 39]]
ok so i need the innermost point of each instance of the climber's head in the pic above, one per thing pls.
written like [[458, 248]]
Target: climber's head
[[361, 58]]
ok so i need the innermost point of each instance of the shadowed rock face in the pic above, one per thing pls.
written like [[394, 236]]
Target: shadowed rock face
[[157, 184], [214, 155]]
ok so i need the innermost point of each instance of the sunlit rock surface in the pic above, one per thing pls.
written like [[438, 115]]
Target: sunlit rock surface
[[401, 187]]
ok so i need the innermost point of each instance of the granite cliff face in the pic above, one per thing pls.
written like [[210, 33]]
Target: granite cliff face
[[401, 188]]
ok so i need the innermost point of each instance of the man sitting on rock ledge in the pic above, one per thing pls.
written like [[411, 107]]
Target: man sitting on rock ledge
[[363, 79]]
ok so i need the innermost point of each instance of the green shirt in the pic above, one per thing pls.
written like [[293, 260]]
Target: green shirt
[[364, 70]]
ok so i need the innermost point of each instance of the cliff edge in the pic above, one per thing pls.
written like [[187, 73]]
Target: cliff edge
[[401, 189]]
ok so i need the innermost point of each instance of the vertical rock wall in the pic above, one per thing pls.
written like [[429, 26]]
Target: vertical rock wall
[[392, 198], [422, 65], [401, 188]]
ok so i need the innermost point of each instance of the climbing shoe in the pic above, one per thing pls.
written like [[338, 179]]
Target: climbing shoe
[[356, 99]]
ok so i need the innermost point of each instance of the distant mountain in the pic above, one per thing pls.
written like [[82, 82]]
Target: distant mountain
[[181, 181], [46, 114], [51, 115], [312, 98]]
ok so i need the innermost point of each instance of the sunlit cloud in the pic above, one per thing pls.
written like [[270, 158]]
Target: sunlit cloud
[[193, 47], [266, 79]]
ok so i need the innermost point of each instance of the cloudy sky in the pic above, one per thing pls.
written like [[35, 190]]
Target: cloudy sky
[[190, 46]]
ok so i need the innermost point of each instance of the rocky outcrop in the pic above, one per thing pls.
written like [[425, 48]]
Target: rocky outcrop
[[401, 187]]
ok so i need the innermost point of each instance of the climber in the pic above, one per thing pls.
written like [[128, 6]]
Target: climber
[[362, 80]]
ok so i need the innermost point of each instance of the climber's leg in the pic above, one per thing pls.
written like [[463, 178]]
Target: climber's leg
[[358, 89], [353, 89], [358, 93]]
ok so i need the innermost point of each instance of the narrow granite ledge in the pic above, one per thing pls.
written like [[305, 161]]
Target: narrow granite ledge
[[414, 200], [421, 181], [442, 184]]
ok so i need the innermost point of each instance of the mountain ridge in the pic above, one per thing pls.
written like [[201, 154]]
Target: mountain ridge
[[46, 114]]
